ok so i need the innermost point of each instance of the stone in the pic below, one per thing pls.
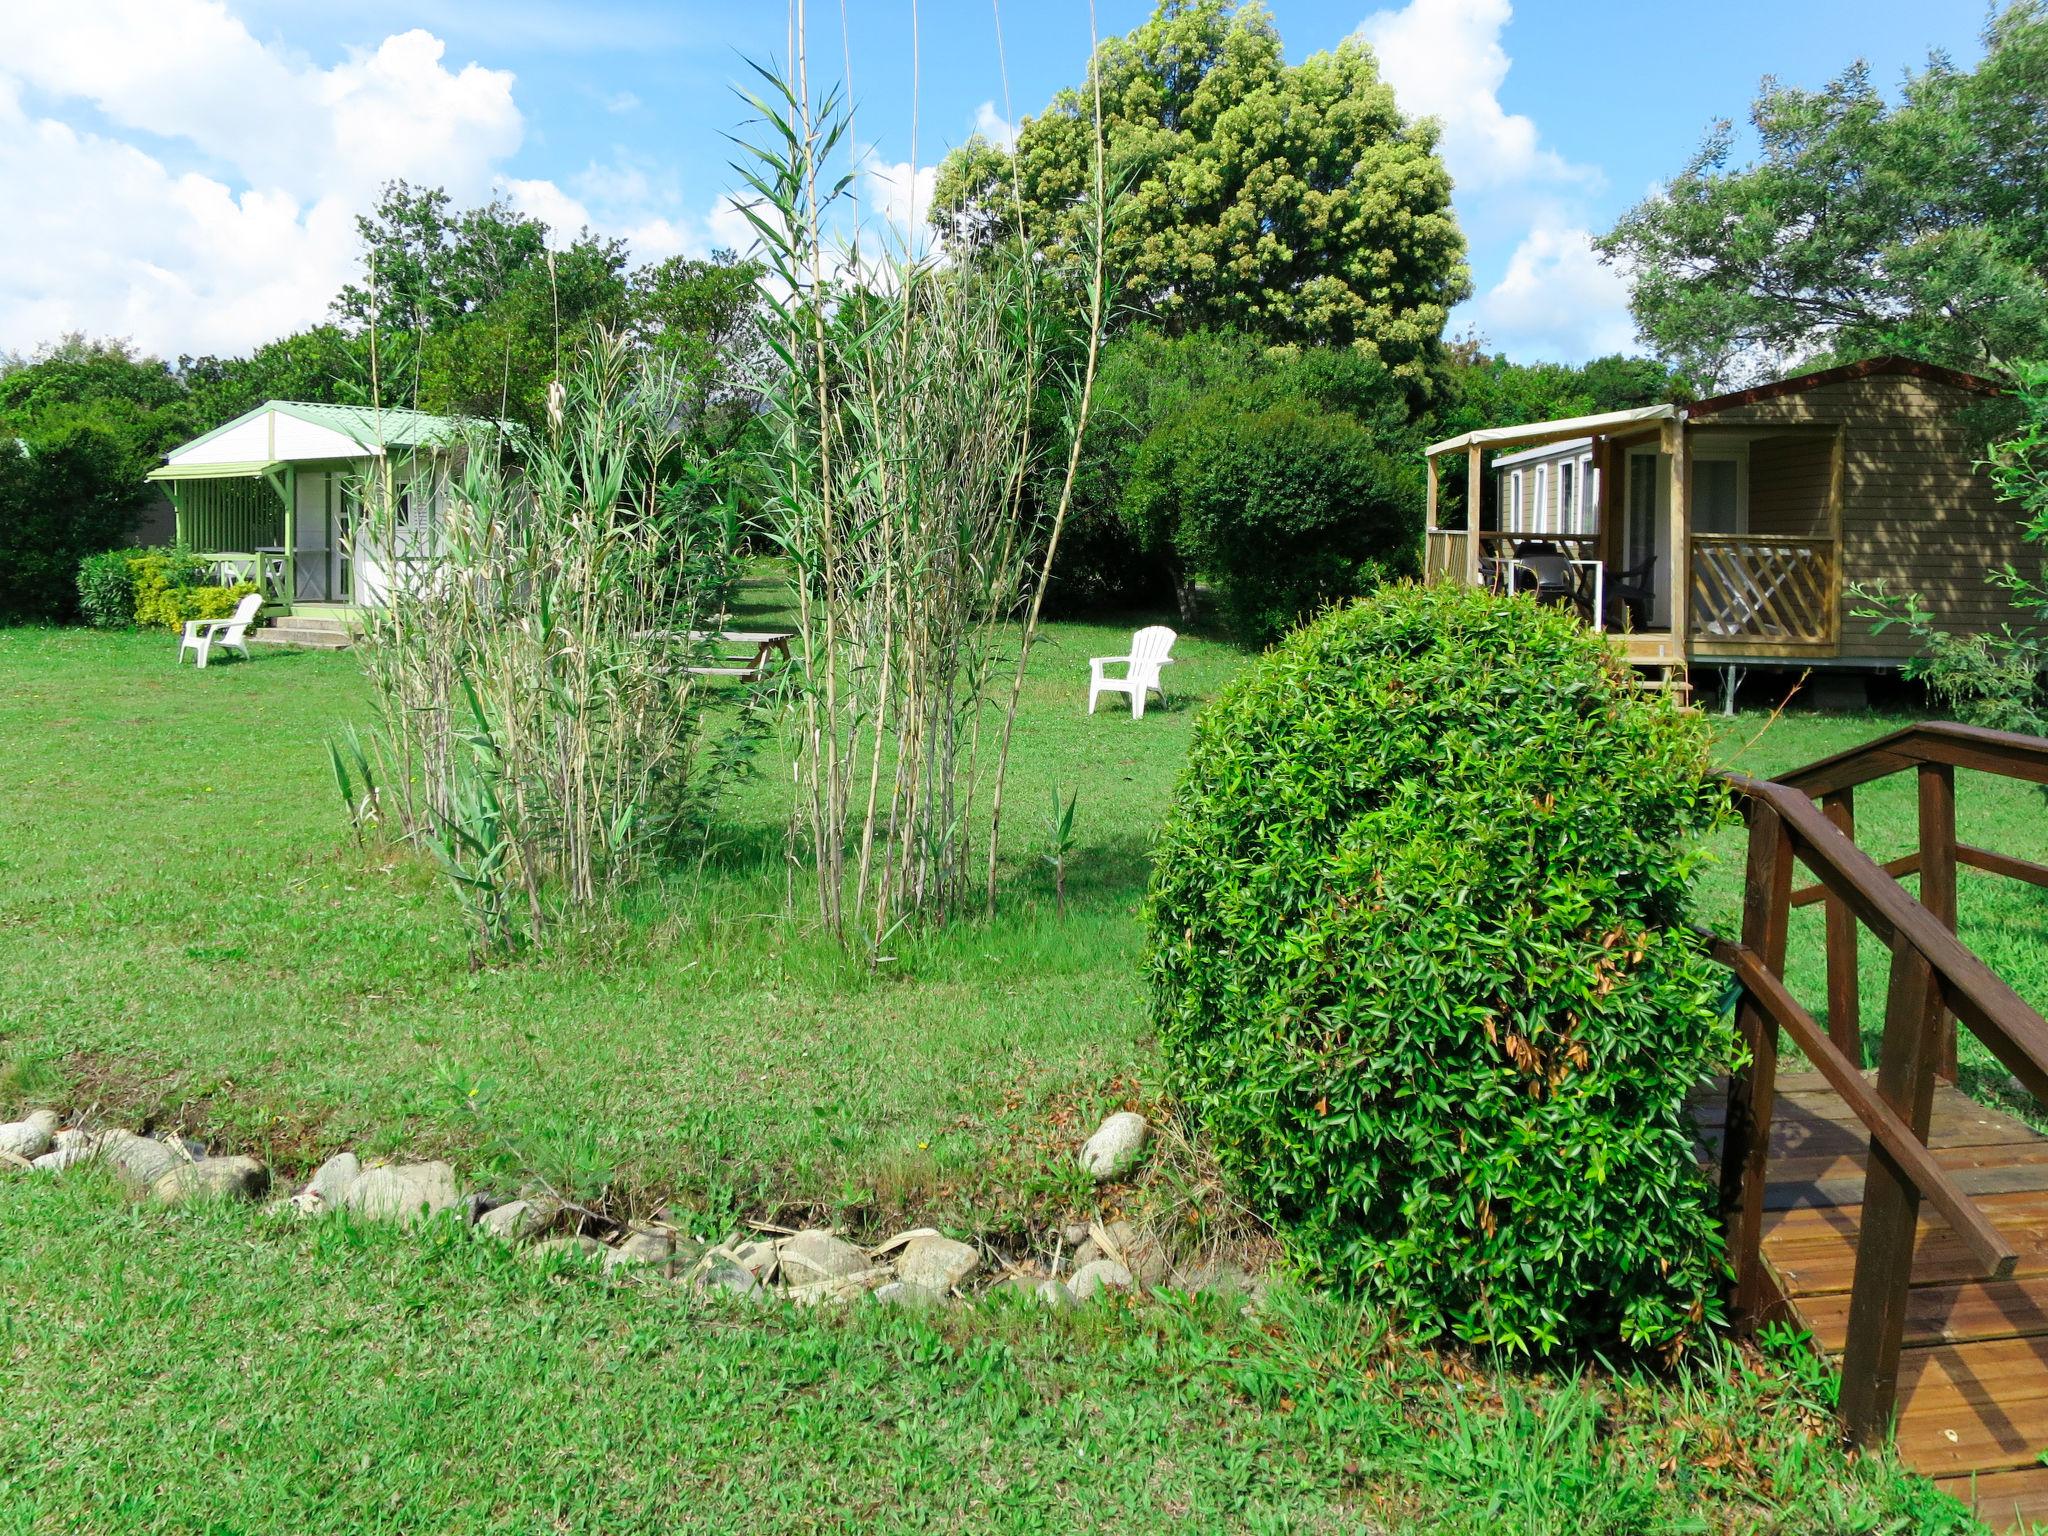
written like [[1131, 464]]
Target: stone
[[1218, 1277], [330, 1184], [514, 1222], [838, 1288], [817, 1255], [937, 1263], [406, 1192], [757, 1259], [579, 1245], [213, 1178], [1093, 1278], [1114, 1149], [1132, 1246], [137, 1161], [723, 1275], [29, 1139], [641, 1246], [68, 1148], [905, 1293], [1052, 1294], [1074, 1233]]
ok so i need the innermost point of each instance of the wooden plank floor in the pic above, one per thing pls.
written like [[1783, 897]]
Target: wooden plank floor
[[1973, 1376]]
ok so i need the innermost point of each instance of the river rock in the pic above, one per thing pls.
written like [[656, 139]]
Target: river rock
[[1114, 1149], [1091, 1279], [1054, 1295], [330, 1184], [137, 1161], [722, 1274], [29, 1139], [513, 1222], [905, 1293], [406, 1192], [1132, 1246], [213, 1178], [816, 1255], [937, 1263], [641, 1246], [580, 1245]]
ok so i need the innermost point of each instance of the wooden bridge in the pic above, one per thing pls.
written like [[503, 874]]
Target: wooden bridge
[[1900, 1223]]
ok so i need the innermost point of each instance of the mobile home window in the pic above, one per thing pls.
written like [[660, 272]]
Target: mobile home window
[[1567, 497], [1716, 496], [1515, 502], [1542, 498]]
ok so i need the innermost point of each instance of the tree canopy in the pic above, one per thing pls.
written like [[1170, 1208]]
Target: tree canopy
[[1862, 226], [1293, 202]]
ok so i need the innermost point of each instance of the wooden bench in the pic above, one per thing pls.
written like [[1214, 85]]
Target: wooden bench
[[755, 647]]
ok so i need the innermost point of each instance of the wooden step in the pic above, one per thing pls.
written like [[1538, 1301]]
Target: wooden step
[[2005, 1501], [1968, 1312], [1973, 1407]]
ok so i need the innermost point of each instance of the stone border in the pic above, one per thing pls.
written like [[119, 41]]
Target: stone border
[[803, 1267]]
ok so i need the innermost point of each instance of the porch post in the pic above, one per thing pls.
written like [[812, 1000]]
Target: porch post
[[179, 532], [1429, 515], [291, 534], [1681, 538], [1475, 497], [1838, 455]]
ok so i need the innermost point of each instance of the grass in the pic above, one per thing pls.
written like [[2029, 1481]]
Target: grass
[[187, 934], [213, 1370]]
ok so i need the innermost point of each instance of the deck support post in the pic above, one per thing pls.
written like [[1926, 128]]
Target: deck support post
[[1845, 1023], [1891, 1203], [1938, 880], [1475, 497], [1679, 540], [1752, 1092], [1429, 516]]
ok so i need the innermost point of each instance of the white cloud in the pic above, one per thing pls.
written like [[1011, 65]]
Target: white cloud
[[103, 238], [622, 101], [1445, 60], [234, 220], [901, 196], [564, 215], [1558, 300], [994, 127]]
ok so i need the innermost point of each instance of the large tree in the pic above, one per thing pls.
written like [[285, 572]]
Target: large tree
[[1292, 202], [1861, 226]]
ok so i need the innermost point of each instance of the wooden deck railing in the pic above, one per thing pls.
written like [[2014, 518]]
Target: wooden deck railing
[[1780, 592], [1934, 979], [1443, 555]]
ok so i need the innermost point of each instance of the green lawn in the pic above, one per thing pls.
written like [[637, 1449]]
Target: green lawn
[[186, 932]]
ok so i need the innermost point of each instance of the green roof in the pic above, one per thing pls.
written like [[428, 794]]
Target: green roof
[[384, 427]]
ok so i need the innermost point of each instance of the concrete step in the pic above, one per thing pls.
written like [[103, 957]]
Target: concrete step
[[308, 638], [321, 623]]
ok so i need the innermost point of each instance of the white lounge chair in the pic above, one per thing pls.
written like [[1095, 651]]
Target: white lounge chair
[[202, 635], [1149, 648]]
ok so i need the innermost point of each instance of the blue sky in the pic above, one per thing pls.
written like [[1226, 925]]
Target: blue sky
[[184, 172]]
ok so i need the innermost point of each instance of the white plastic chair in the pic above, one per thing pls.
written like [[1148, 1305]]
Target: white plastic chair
[[202, 635], [1149, 648]]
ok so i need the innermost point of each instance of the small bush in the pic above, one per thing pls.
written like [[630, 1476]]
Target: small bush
[[1281, 508], [173, 585], [1421, 969], [106, 589]]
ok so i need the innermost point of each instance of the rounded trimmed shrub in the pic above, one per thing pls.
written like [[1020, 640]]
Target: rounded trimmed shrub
[[106, 589], [1421, 969]]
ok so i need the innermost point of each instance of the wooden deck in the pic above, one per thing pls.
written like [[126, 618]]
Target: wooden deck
[[1973, 1370]]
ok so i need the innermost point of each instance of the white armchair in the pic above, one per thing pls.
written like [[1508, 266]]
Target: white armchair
[[1149, 652], [202, 635]]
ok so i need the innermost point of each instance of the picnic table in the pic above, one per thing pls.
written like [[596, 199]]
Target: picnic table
[[745, 652]]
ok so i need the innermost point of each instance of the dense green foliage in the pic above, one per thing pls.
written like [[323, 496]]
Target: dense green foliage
[[1862, 226], [106, 589], [1150, 516], [1283, 506], [66, 491], [1294, 202], [1421, 968]]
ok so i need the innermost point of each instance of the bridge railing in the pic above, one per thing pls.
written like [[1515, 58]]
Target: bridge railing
[[1808, 817]]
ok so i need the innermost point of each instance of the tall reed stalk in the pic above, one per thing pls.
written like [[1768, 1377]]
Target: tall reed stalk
[[899, 478], [531, 640]]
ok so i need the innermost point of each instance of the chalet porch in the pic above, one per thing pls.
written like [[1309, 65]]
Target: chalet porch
[[1599, 513]]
